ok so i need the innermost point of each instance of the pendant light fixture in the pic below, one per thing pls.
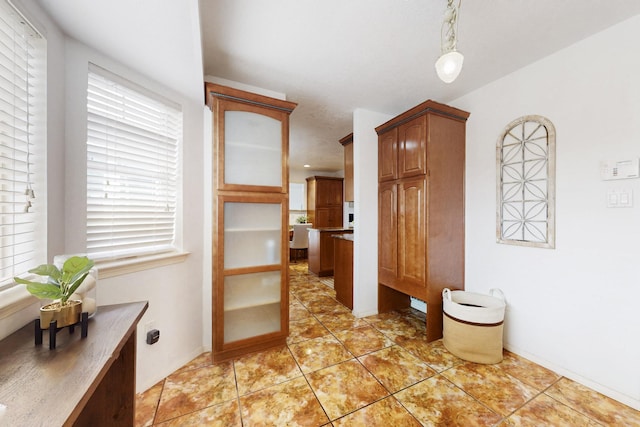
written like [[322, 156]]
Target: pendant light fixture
[[449, 65]]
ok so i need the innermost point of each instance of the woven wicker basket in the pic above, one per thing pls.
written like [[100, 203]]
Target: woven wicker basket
[[473, 325]]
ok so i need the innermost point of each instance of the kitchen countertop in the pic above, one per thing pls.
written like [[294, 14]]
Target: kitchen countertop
[[334, 229], [345, 236]]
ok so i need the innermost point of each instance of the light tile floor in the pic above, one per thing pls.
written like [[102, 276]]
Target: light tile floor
[[338, 370]]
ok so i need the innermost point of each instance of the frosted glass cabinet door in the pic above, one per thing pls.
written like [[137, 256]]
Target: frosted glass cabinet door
[[251, 305], [252, 234], [250, 212], [252, 149]]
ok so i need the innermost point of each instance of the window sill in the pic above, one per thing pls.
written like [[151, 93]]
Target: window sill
[[132, 265], [14, 300]]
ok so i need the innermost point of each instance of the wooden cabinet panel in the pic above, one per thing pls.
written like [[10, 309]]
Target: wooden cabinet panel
[[446, 207], [329, 217], [321, 250], [388, 155], [347, 143], [326, 254], [402, 151], [313, 252], [402, 236], [388, 233], [324, 201], [412, 234], [311, 198], [329, 192], [343, 271], [412, 148]]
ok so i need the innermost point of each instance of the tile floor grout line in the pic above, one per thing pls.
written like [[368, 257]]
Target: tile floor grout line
[[331, 332], [362, 407], [402, 404], [155, 412], [315, 396], [502, 417], [390, 394], [570, 407], [235, 379], [199, 409]]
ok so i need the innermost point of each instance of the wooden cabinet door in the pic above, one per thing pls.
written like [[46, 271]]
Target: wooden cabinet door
[[328, 192], [348, 173], [251, 146], [388, 233], [412, 226], [328, 217], [343, 271], [326, 254], [388, 155], [251, 296], [313, 253], [412, 148]]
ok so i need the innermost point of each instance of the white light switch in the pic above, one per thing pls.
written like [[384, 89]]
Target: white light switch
[[620, 198]]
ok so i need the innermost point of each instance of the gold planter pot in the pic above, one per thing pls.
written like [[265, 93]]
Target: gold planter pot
[[65, 315]]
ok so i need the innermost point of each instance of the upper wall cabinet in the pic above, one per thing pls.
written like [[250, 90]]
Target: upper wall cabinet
[[347, 143], [402, 151], [388, 155], [412, 148]]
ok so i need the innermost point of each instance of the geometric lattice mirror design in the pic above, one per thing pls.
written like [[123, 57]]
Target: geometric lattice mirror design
[[525, 161]]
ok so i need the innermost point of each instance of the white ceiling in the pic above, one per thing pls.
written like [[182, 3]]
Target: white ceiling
[[330, 56]]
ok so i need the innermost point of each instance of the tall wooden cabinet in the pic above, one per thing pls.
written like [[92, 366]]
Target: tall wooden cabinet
[[421, 164], [250, 221], [324, 201]]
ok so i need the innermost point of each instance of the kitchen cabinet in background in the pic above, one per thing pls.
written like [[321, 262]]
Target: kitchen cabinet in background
[[347, 143], [324, 201]]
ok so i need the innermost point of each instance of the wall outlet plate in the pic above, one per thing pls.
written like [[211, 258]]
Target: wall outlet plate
[[153, 336]]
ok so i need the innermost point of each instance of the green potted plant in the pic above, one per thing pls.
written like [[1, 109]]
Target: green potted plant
[[302, 219], [60, 286]]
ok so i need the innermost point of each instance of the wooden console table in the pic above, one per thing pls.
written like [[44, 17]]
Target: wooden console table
[[81, 382]]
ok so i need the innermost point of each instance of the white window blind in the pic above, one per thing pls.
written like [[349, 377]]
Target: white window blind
[[22, 53], [132, 165]]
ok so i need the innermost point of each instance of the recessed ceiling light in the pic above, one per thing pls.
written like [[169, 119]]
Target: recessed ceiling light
[[307, 166]]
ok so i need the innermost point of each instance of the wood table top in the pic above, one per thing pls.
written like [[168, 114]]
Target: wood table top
[[46, 387]]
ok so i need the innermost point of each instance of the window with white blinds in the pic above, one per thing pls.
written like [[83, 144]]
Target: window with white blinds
[[133, 137], [22, 150]]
